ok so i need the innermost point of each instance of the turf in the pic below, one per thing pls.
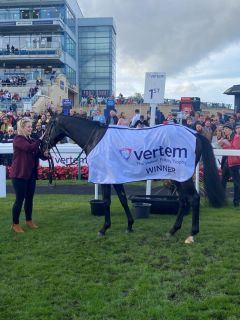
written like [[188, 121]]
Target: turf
[[63, 271]]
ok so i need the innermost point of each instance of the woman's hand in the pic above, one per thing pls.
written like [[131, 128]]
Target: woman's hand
[[42, 136], [46, 154]]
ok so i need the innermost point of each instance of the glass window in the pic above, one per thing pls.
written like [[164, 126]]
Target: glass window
[[71, 75], [70, 20], [25, 14], [36, 14], [102, 63], [70, 45], [102, 40]]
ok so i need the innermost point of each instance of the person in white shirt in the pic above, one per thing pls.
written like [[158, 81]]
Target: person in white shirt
[[135, 118]]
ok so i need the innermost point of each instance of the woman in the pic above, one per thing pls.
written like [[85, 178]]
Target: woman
[[4, 124], [123, 121], [23, 172], [232, 141], [9, 136]]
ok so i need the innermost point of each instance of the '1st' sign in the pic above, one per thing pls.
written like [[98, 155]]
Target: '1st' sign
[[154, 87]]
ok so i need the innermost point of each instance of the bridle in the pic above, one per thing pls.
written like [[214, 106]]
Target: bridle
[[57, 152], [46, 140]]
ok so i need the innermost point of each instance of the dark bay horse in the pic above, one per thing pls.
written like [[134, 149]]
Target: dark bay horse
[[87, 134]]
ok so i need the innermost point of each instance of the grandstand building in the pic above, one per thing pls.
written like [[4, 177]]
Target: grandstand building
[[49, 44]]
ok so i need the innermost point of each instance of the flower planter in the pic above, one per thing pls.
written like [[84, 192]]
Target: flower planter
[[159, 204]]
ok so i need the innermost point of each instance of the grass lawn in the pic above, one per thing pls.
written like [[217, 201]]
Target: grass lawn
[[63, 271]]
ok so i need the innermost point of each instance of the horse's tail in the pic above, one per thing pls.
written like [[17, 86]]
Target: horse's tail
[[212, 182]]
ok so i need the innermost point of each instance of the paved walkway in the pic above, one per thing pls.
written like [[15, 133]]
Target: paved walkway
[[89, 190]]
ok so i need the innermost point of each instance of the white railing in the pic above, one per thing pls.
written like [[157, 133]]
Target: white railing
[[69, 151]]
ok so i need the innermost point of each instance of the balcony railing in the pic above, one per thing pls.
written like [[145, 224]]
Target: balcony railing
[[30, 52]]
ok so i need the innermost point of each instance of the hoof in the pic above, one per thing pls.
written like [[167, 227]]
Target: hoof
[[101, 234], [189, 240], [168, 235]]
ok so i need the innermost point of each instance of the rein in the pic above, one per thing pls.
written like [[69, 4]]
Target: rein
[[51, 164]]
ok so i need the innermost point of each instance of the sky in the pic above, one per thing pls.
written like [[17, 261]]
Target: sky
[[196, 42]]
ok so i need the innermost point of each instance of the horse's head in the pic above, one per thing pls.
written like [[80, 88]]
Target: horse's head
[[53, 134]]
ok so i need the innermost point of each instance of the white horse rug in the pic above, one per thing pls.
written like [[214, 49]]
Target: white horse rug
[[126, 154]]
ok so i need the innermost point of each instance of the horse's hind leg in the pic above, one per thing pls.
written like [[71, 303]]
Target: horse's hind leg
[[195, 213], [184, 207], [106, 195], [195, 217], [123, 199], [194, 200]]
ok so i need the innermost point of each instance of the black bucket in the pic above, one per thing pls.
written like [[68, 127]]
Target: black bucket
[[160, 204], [97, 207], [141, 210]]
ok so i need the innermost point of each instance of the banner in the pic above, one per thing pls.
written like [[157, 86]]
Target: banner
[[65, 159], [127, 154]]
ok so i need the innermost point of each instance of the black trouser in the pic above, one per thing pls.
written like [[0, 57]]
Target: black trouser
[[236, 183], [226, 174], [24, 190]]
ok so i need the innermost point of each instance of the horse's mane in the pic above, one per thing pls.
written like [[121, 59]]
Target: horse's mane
[[79, 119]]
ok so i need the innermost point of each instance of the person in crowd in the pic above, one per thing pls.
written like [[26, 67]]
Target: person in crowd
[[232, 121], [112, 118], [1, 136], [208, 131], [198, 126], [189, 122], [37, 132], [99, 117], [11, 119], [159, 119], [232, 141], [43, 121], [4, 124], [48, 116], [202, 118], [170, 119], [72, 113], [9, 136], [23, 172], [82, 114], [217, 135], [123, 121], [135, 118], [141, 123]]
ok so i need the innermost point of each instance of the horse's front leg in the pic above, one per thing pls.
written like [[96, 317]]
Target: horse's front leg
[[123, 199], [106, 195]]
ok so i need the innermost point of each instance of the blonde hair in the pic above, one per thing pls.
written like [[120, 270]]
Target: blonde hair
[[21, 124]]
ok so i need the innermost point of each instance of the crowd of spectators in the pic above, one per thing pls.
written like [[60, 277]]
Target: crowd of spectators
[[6, 95], [91, 101], [211, 126], [8, 123], [221, 129], [33, 91], [14, 81]]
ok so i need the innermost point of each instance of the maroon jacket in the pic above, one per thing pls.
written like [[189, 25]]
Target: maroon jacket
[[25, 157]]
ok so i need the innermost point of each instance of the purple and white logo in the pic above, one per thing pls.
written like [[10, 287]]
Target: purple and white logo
[[125, 153]]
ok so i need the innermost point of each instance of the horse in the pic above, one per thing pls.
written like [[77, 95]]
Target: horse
[[87, 134]]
